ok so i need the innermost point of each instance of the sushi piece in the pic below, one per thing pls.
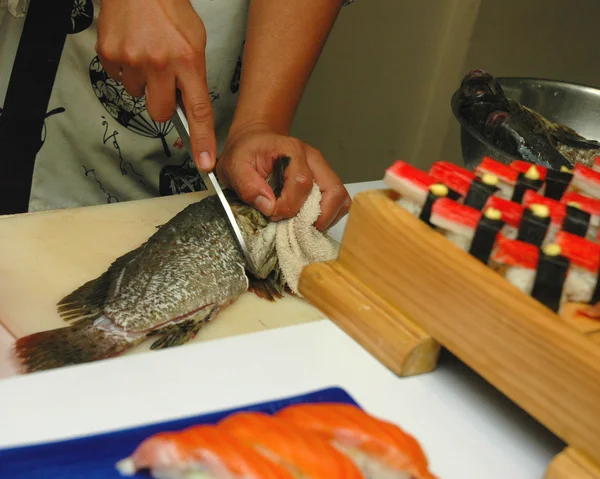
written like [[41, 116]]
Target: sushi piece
[[487, 231], [379, 448], [468, 228], [539, 273], [525, 166], [557, 182], [456, 222], [569, 217], [585, 203], [507, 176], [453, 176], [417, 189], [535, 224], [582, 283], [511, 214], [596, 164], [586, 180], [305, 454], [200, 452]]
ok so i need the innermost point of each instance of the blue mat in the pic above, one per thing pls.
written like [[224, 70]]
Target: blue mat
[[94, 457]]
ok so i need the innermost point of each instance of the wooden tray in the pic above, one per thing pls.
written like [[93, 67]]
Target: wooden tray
[[402, 290]]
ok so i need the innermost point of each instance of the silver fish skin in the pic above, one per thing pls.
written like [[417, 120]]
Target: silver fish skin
[[168, 288]]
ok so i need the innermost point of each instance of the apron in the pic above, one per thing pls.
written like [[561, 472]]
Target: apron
[[99, 145]]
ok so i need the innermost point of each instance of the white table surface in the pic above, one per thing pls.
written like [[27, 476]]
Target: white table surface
[[466, 427]]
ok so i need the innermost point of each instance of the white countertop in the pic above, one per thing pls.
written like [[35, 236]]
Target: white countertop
[[466, 427]]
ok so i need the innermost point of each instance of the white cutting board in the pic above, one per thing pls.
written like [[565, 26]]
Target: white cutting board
[[46, 255]]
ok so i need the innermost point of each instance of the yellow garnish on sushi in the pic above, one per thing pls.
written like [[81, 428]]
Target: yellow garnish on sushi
[[489, 179], [532, 173], [564, 169], [493, 214], [439, 189], [574, 204], [540, 210], [552, 249]]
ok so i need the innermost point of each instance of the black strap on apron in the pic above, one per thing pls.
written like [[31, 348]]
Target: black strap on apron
[[44, 33]]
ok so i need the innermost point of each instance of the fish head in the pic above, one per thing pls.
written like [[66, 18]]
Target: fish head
[[479, 86], [258, 230]]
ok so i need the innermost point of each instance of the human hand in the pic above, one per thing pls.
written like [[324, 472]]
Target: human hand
[[248, 159], [155, 47]]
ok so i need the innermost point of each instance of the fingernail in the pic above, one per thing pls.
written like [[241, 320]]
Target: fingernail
[[204, 161], [263, 204]]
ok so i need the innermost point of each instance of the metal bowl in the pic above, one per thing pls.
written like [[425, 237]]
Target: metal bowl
[[576, 106]]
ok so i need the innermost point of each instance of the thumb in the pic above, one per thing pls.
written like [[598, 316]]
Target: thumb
[[250, 186]]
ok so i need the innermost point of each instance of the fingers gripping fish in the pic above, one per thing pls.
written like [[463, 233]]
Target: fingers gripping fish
[[167, 288]]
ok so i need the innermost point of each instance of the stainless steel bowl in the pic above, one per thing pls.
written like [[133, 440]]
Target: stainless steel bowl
[[573, 105]]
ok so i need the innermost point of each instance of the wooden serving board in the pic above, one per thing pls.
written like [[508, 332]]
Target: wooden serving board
[[433, 291], [45, 255]]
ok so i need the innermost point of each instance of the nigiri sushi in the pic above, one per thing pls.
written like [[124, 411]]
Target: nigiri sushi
[[585, 203], [582, 283], [417, 189], [512, 183], [569, 216], [557, 182], [474, 190], [379, 448], [586, 181], [200, 452], [468, 228], [305, 454], [511, 212], [524, 166], [540, 273]]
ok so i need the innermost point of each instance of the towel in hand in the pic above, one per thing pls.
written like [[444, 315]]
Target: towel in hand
[[299, 243]]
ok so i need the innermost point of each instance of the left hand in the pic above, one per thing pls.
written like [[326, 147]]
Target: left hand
[[248, 159]]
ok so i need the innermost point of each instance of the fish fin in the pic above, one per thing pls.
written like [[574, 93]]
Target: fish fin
[[87, 301], [277, 176], [180, 333], [270, 288], [75, 344]]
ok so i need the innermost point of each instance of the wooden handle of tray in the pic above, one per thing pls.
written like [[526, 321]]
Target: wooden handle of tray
[[571, 464], [381, 329]]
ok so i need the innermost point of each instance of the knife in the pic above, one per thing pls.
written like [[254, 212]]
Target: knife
[[182, 127]]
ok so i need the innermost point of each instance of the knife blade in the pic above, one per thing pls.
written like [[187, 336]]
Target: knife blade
[[182, 126]]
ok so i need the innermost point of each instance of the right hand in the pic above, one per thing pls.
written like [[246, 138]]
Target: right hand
[[155, 47]]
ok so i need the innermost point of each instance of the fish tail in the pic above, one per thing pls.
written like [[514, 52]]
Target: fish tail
[[79, 343]]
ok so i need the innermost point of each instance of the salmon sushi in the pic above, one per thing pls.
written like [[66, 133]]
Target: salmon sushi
[[200, 452], [417, 189], [379, 448], [305, 454], [538, 272]]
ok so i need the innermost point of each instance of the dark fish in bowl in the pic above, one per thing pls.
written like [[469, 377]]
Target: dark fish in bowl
[[512, 135], [481, 95]]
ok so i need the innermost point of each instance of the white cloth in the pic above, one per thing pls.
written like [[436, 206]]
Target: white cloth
[[299, 243]]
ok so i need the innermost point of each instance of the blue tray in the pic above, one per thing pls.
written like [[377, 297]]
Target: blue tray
[[94, 457]]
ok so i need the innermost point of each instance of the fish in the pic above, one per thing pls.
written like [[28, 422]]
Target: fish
[[481, 95], [166, 289], [509, 133]]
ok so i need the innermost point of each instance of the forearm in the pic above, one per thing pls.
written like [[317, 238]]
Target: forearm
[[283, 43]]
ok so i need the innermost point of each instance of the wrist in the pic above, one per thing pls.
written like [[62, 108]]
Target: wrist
[[241, 126]]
